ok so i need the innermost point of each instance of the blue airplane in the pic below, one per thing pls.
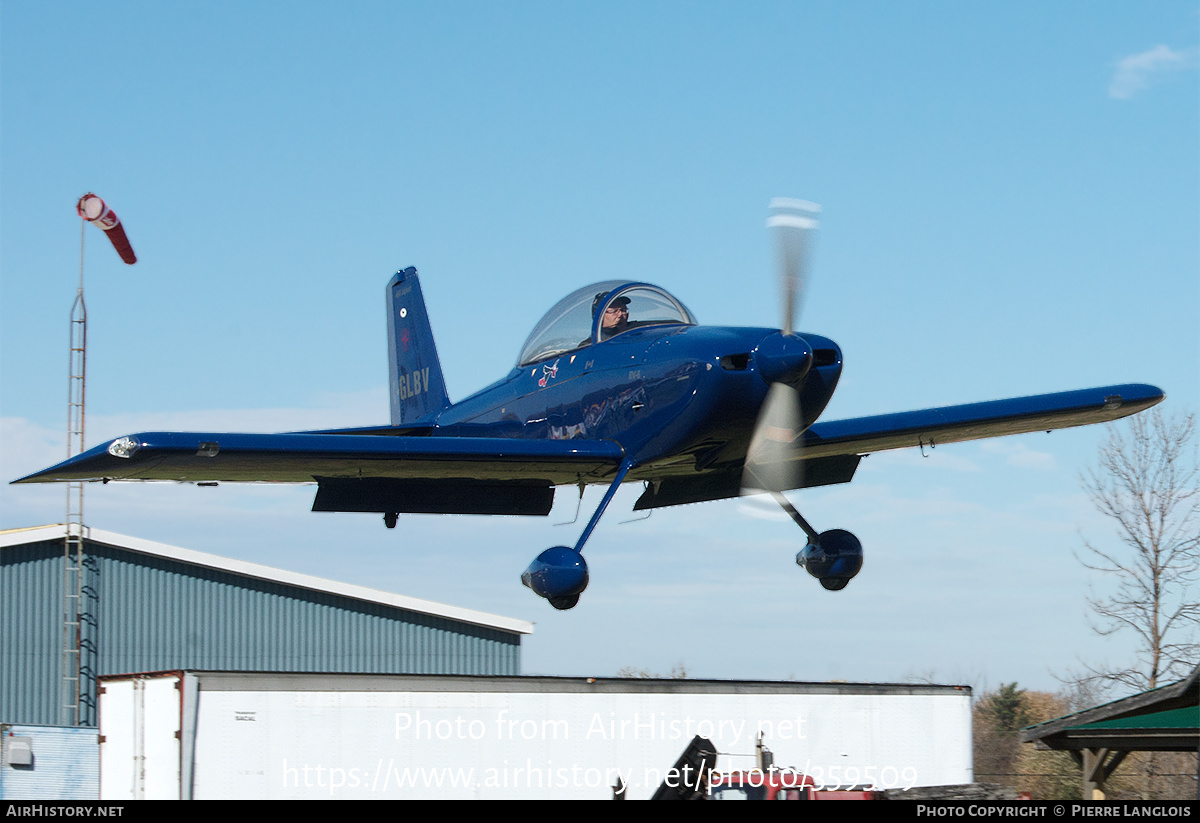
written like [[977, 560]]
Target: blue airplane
[[617, 383]]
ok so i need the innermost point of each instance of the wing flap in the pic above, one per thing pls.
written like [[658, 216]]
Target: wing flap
[[388, 494], [302, 458], [976, 421]]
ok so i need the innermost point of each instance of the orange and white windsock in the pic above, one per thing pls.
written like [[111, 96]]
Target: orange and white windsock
[[92, 209]]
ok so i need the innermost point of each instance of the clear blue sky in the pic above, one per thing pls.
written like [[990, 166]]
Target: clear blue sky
[[1011, 206]]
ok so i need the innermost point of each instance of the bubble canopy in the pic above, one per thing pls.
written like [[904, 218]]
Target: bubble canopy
[[573, 321]]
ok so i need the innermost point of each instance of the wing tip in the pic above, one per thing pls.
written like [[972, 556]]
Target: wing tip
[[1132, 398], [44, 476]]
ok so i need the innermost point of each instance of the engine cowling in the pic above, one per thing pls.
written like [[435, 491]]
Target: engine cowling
[[834, 559]]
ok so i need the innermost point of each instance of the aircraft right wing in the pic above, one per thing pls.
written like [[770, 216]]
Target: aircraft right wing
[[976, 421]]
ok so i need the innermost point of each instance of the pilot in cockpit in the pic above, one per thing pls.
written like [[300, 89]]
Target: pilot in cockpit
[[616, 316]]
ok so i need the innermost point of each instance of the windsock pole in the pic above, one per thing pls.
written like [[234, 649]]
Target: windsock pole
[[77, 698]]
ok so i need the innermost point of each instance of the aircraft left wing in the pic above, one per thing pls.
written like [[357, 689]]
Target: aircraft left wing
[[975, 421]]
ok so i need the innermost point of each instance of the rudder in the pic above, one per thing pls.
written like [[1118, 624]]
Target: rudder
[[418, 390]]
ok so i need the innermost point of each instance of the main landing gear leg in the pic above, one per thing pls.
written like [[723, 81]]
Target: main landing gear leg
[[560, 574], [833, 557]]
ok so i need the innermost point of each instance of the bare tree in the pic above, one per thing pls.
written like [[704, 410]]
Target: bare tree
[[1148, 482], [678, 672]]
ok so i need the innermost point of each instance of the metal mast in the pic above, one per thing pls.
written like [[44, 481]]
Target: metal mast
[[72, 581]]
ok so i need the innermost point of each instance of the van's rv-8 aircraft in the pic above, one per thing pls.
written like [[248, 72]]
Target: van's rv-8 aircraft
[[617, 383]]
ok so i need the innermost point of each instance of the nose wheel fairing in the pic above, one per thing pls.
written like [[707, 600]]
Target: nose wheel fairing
[[834, 557]]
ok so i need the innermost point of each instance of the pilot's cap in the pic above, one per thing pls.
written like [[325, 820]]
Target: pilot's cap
[[620, 301]]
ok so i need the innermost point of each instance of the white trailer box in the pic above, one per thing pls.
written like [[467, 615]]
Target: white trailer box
[[210, 735]]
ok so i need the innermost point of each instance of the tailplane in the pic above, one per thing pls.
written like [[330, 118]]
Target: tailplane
[[418, 390]]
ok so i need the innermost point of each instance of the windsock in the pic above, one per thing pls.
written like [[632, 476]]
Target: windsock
[[92, 209]]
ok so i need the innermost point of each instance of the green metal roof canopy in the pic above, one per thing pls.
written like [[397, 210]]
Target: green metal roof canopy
[[1166, 719]]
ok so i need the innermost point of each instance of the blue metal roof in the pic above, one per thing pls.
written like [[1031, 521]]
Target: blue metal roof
[[152, 607]]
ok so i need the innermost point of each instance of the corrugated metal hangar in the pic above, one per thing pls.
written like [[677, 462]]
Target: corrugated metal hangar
[[153, 607]]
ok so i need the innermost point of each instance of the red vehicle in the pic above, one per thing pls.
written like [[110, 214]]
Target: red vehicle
[[775, 785]]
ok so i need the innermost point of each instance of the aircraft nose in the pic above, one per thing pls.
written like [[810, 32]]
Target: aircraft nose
[[783, 358]]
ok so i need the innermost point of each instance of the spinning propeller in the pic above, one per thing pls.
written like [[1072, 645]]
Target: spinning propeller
[[794, 224], [783, 359]]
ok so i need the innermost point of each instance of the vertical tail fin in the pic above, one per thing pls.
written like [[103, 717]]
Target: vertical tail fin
[[418, 390]]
